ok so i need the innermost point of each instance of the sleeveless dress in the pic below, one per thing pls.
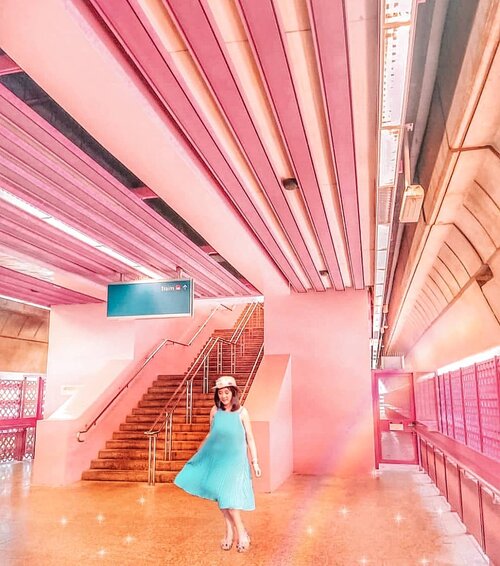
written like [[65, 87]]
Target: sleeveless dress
[[220, 469]]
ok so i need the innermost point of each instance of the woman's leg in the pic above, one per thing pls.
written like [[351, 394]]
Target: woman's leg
[[243, 539], [227, 541]]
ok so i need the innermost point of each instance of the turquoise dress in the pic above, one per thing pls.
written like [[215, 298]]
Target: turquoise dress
[[220, 469]]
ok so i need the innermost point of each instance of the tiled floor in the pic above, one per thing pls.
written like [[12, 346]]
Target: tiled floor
[[396, 518]]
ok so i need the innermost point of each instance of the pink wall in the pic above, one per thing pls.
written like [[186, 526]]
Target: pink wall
[[269, 404], [96, 356], [468, 327], [327, 336]]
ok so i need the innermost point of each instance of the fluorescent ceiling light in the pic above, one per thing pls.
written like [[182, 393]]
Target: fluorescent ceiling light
[[149, 272], [25, 302], [381, 259], [19, 203], [74, 233], [382, 236], [388, 158], [108, 251], [71, 231], [396, 41]]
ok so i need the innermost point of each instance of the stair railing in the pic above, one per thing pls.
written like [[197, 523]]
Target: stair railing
[[146, 361], [164, 420]]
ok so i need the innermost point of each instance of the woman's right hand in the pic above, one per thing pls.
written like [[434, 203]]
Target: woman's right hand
[[256, 469]]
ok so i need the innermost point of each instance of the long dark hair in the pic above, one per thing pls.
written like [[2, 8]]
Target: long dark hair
[[235, 400]]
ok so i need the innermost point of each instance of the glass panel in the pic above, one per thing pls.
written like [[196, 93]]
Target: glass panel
[[397, 445], [395, 397]]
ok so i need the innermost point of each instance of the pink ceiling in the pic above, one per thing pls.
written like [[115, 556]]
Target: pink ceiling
[[26, 288], [184, 58]]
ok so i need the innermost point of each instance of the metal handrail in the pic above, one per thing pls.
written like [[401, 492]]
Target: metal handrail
[[149, 357], [250, 375], [465, 470], [166, 414]]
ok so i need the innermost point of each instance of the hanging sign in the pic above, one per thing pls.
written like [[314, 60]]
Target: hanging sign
[[151, 299]]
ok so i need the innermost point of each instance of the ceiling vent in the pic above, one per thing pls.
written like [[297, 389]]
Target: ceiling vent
[[411, 205]]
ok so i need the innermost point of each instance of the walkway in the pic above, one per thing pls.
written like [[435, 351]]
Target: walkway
[[394, 519]]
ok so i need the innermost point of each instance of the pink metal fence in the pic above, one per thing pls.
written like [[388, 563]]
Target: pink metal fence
[[464, 404], [21, 405]]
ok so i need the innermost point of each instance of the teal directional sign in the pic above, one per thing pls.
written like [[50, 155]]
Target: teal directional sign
[[141, 299]]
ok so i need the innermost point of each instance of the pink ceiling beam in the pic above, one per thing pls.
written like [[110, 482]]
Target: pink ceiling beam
[[26, 228], [26, 288], [329, 23], [157, 69], [265, 36], [100, 215], [103, 208], [38, 250], [7, 66]]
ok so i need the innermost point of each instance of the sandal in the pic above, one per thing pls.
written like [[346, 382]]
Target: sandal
[[226, 543], [243, 544]]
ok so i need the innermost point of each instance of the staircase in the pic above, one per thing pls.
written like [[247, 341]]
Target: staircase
[[125, 457]]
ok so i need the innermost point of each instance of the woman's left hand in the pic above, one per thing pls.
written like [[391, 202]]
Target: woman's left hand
[[256, 469]]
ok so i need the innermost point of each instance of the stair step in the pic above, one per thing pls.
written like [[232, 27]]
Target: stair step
[[178, 418], [127, 464], [143, 444], [155, 411], [142, 427], [143, 454], [177, 436], [127, 476], [159, 403]]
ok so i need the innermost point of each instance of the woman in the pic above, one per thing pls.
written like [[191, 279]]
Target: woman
[[220, 469]]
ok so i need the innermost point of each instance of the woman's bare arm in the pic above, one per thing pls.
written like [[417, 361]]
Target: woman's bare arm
[[245, 419]]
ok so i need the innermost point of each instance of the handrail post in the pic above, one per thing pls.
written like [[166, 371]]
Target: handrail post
[[233, 358], [168, 435], [152, 460], [189, 400], [219, 357], [206, 371]]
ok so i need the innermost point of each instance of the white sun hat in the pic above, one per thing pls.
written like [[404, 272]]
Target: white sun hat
[[225, 381]]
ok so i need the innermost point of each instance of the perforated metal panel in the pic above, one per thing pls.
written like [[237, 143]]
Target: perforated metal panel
[[10, 399], [21, 405], [457, 403], [467, 407], [471, 407], [489, 407]]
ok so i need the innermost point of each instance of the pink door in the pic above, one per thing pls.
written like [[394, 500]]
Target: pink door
[[394, 411]]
